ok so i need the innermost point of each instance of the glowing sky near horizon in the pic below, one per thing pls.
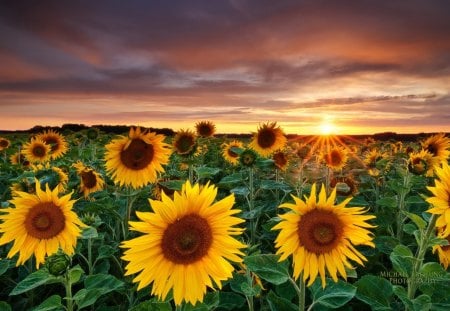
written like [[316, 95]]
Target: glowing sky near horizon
[[369, 66]]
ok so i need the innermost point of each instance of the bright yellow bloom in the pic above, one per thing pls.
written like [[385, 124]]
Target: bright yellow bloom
[[4, 143], [36, 151], [441, 199], [91, 181], [421, 163], [40, 224], [320, 234], [438, 145], [137, 159], [54, 176], [267, 139], [185, 142], [443, 251], [186, 245], [57, 142], [228, 154], [335, 158]]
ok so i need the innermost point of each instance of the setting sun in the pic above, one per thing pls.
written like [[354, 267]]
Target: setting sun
[[327, 128]]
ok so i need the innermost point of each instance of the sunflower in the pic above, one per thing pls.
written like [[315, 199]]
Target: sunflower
[[186, 245], [268, 139], [57, 142], [321, 234], [4, 143], [421, 163], [91, 181], [438, 145], [280, 159], [374, 161], [205, 128], [137, 159], [36, 151], [248, 157], [51, 175], [443, 251], [18, 158], [227, 151], [40, 224], [335, 158], [185, 142], [344, 185], [441, 199]]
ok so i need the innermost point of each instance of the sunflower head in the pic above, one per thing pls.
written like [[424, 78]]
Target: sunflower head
[[91, 181], [53, 176], [344, 185], [248, 157], [229, 151], [438, 146], [36, 151], [205, 128], [185, 142], [421, 163], [40, 224], [19, 158], [281, 160], [57, 142], [268, 139], [4, 143], [320, 235], [443, 251], [137, 159], [335, 158], [440, 201], [186, 243]]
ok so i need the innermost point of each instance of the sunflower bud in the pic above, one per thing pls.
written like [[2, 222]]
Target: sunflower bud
[[58, 263]]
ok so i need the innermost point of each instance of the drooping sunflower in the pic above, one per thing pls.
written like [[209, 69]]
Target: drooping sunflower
[[4, 143], [40, 224], [227, 151], [438, 145], [335, 158], [36, 151], [267, 139], [421, 163], [91, 181], [186, 245], [248, 157], [185, 142], [56, 141], [443, 251], [19, 158], [205, 128], [51, 175], [320, 234], [346, 185], [441, 199], [281, 160], [137, 159]]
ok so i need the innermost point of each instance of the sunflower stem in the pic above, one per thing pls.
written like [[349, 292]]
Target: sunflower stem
[[420, 254], [90, 265], [251, 204], [68, 286], [300, 288], [401, 205]]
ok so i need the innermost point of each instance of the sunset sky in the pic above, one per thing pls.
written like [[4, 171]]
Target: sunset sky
[[364, 66]]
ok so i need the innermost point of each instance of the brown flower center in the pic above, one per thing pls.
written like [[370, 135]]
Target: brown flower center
[[231, 153], [433, 149], [53, 142], [205, 130], [335, 158], [320, 231], [138, 155], [266, 138], [4, 143], [39, 151], [184, 144], [280, 160], [89, 179], [45, 221], [187, 240]]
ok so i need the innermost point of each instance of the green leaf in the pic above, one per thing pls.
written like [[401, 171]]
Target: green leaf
[[236, 281], [173, 184], [385, 244], [105, 251], [230, 301], [206, 172], [240, 191], [33, 280], [4, 306], [89, 233], [387, 202], [268, 268], [374, 291], [422, 303], [402, 260], [4, 265], [277, 303], [433, 272], [75, 274], [418, 221], [96, 286], [274, 185], [401, 293], [152, 305], [51, 303], [334, 295], [230, 181]]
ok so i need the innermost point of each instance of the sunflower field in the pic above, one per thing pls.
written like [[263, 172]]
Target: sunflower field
[[91, 220]]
